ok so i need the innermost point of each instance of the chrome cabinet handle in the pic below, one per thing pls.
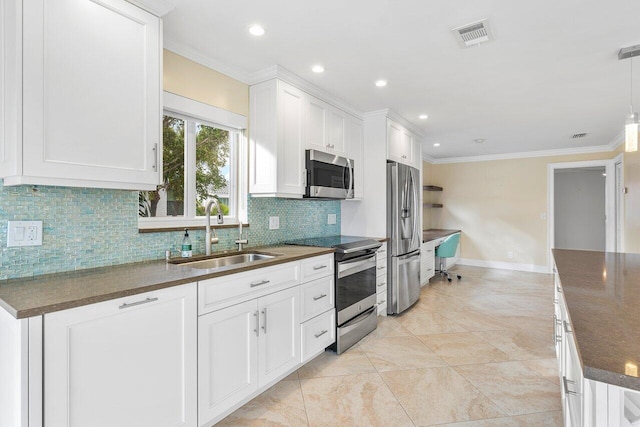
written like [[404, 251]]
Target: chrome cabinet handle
[[257, 329], [319, 297], [383, 301], [321, 333], [155, 157], [381, 268], [133, 304], [381, 284], [566, 382], [262, 282], [566, 328], [556, 322], [264, 326], [558, 289], [319, 267]]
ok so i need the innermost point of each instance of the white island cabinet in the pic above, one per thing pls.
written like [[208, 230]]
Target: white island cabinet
[[125, 362], [81, 95]]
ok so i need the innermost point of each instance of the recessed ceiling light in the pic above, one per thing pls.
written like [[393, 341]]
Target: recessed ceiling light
[[437, 144], [256, 30], [479, 140], [317, 69], [381, 83], [423, 116]]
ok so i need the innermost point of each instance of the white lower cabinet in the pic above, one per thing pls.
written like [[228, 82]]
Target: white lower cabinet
[[244, 347], [125, 362], [381, 280], [227, 358], [427, 262], [252, 339]]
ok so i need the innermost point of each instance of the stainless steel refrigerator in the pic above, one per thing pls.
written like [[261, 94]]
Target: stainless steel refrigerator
[[403, 228]]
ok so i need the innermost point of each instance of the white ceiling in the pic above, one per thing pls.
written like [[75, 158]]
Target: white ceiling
[[551, 71]]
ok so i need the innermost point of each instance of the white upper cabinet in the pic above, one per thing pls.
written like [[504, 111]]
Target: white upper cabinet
[[285, 121], [276, 151], [90, 108], [399, 143], [325, 127]]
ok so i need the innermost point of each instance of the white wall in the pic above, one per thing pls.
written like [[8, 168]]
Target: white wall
[[579, 204]]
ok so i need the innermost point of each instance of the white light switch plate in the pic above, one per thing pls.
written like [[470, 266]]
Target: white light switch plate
[[24, 233], [331, 219], [274, 222]]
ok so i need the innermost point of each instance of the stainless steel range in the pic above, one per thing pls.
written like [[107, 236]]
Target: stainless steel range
[[355, 270]]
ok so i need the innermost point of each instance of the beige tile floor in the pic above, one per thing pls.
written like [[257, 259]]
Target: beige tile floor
[[473, 353]]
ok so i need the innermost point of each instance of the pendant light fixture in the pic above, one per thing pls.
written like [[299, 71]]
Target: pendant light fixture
[[632, 126]]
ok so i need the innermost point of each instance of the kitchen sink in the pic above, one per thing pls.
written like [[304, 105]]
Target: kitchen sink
[[224, 262]]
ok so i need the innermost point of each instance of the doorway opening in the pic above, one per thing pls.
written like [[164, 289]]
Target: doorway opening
[[583, 210]]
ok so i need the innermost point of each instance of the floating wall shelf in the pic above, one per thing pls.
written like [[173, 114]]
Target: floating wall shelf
[[432, 188], [432, 205]]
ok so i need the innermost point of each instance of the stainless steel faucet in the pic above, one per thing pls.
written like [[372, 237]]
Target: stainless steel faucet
[[240, 241], [208, 239]]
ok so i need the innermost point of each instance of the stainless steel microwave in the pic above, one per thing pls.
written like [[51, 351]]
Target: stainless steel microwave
[[328, 176]]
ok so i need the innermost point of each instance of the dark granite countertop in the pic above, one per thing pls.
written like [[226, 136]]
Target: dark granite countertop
[[436, 233], [602, 293], [53, 292]]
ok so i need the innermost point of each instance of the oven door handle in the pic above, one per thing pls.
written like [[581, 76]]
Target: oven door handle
[[355, 267]]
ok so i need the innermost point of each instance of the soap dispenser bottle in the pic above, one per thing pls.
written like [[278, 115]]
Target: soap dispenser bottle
[[186, 251]]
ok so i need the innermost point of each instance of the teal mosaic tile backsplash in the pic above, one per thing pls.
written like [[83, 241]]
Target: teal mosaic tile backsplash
[[86, 228]]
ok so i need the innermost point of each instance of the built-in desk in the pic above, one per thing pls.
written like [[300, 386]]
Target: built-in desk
[[432, 238]]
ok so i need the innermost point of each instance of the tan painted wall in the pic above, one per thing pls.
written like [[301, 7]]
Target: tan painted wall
[[498, 206], [192, 80]]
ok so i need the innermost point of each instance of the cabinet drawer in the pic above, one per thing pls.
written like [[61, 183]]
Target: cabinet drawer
[[381, 283], [381, 298], [381, 254], [317, 297], [428, 249], [219, 292], [381, 269], [316, 267], [317, 334]]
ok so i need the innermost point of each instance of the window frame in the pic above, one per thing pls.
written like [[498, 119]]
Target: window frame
[[192, 112]]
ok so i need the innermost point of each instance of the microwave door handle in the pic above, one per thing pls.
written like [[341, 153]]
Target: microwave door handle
[[351, 186]]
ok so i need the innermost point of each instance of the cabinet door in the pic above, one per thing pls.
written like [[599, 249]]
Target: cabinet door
[[355, 145], [316, 123], [227, 358], [279, 343], [91, 93], [394, 141], [125, 362], [337, 131], [290, 148], [407, 147]]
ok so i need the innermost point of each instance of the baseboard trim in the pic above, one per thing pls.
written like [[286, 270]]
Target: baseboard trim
[[532, 268]]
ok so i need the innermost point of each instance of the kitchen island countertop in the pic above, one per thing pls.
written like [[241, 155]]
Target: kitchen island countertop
[[602, 294], [47, 293]]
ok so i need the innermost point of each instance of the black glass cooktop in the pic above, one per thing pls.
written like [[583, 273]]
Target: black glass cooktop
[[340, 243]]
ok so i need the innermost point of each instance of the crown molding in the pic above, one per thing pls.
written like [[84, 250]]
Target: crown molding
[[202, 59], [389, 113], [281, 73], [156, 7], [611, 146]]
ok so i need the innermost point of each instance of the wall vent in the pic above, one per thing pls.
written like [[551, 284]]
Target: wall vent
[[474, 33], [578, 135]]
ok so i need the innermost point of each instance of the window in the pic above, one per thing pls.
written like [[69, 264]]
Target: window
[[200, 160]]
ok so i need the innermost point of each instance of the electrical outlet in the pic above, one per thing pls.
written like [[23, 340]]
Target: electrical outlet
[[274, 222], [332, 219], [510, 254], [543, 216], [24, 233]]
